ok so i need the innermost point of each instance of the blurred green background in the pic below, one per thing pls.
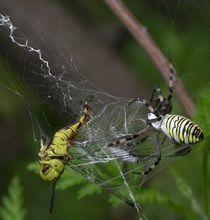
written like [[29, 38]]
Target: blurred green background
[[181, 29]]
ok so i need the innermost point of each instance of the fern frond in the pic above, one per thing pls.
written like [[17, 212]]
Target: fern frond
[[12, 204], [115, 201], [34, 167], [88, 190], [68, 179]]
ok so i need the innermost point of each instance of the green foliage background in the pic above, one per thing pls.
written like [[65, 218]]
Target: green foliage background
[[182, 32]]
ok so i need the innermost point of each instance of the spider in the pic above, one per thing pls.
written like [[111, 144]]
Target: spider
[[180, 130]]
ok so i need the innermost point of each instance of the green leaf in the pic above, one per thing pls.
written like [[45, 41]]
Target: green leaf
[[89, 189], [12, 203], [187, 192], [205, 170], [34, 167], [202, 114], [152, 196], [68, 179], [115, 201]]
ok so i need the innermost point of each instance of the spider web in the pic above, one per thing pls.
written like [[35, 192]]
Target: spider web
[[62, 83], [190, 55], [62, 86]]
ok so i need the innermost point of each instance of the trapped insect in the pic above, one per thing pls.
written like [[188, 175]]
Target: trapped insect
[[122, 137], [135, 133], [54, 155]]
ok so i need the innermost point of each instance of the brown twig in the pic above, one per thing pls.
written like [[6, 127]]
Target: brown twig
[[141, 35]]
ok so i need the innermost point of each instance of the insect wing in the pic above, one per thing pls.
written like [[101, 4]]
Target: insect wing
[[116, 120], [113, 167]]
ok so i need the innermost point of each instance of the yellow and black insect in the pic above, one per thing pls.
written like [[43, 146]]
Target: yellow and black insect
[[54, 156]]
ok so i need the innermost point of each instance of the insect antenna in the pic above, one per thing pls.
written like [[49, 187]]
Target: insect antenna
[[52, 200]]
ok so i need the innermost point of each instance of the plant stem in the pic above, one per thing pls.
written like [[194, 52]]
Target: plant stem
[[142, 36]]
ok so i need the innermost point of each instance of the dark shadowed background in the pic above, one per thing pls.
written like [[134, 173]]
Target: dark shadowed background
[[106, 54]]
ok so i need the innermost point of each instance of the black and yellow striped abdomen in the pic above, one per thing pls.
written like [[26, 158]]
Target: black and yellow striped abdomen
[[181, 130]]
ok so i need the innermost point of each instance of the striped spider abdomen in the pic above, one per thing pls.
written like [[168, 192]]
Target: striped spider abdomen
[[181, 129]]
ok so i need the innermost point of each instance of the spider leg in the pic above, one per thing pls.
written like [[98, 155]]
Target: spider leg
[[149, 107], [123, 141], [162, 105], [127, 138], [159, 94], [164, 138], [171, 82], [158, 157], [181, 152], [145, 102], [172, 79], [155, 162]]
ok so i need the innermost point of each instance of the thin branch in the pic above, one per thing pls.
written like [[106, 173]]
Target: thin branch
[[141, 35]]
